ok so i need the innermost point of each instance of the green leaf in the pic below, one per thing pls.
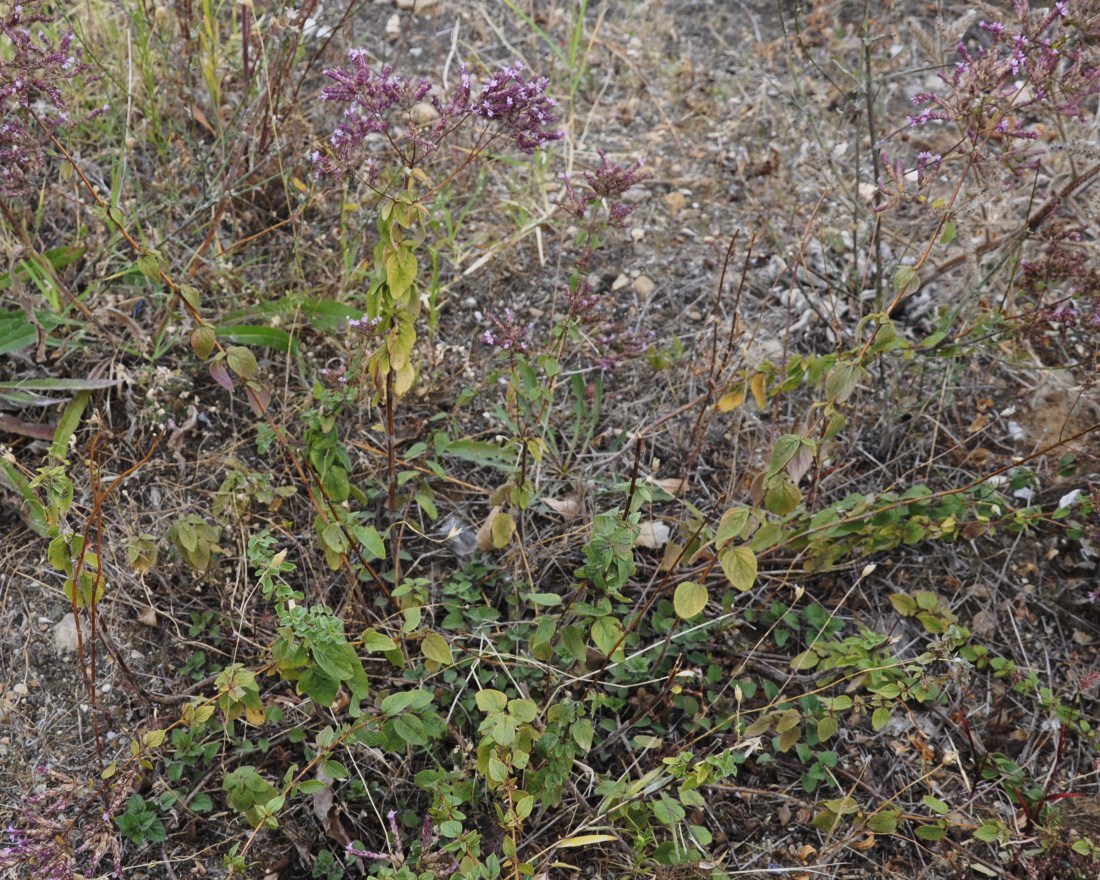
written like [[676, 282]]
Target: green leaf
[[786, 447], [58, 258], [826, 727], [950, 230], [843, 379], [411, 730], [690, 599], [334, 769], [546, 600], [904, 604], [732, 524], [67, 425], [884, 821], [879, 718], [190, 295], [524, 711], [739, 565], [395, 704], [154, 738], [275, 338], [498, 770], [334, 538], [490, 700], [337, 659], [935, 805], [781, 495], [481, 453], [16, 332], [525, 803], [572, 639], [767, 536], [375, 642], [808, 659], [906, 281], [668, 811], [582, 732], [48, 384], [606, 633], [241, 361], [435, 648], [988, 832], [400, 342], [150, 264], [318, 686], [371, 541], [931, 832], [841, 806]]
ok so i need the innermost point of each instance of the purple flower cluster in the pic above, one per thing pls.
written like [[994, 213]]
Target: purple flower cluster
[[31, 71], [1034, 65], [363, 326], [607, 183], [444, 862], [521, 107], [413, 118], [614, 345], [507, 334]]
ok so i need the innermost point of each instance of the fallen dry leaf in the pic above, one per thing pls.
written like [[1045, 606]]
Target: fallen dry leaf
[[568, 507], [652, 534], [672, 485], [147, 616]]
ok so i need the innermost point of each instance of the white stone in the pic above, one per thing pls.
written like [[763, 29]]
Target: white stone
[[644, 286], [64, 634]]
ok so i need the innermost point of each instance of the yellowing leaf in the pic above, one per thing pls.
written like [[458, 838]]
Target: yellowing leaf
[[808, 659], [484, 538], [586, 839], [731, 399], [690, 599], [502, 529], [435, 647], [400, 270], [756, 385], [731, 525], [154, 738], [739, 565]]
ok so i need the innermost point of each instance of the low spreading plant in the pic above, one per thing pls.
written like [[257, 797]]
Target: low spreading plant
[[438, 694]]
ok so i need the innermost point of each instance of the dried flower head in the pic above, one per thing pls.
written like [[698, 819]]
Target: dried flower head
[[33, 67]]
